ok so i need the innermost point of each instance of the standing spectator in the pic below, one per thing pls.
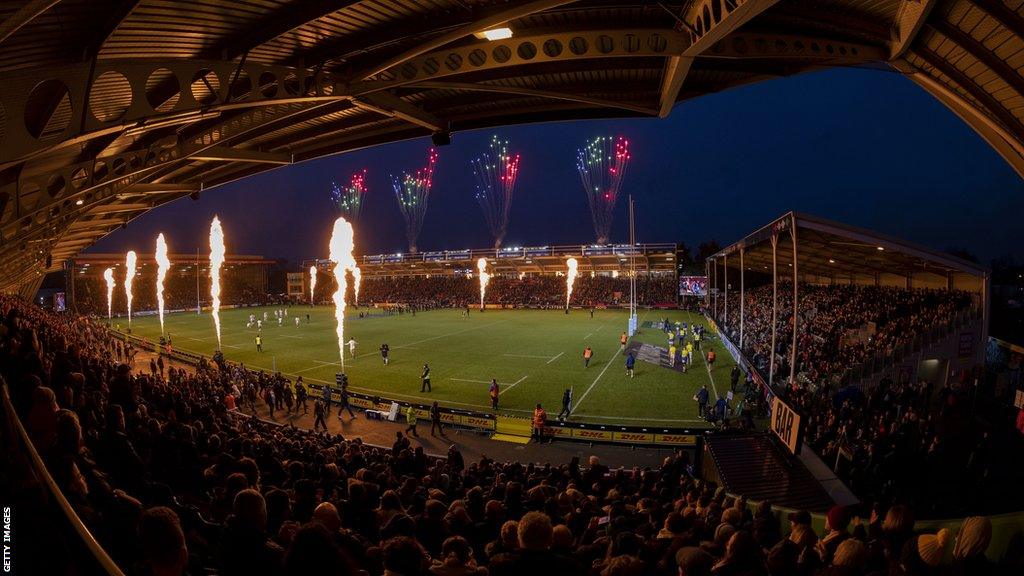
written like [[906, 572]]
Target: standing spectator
[[435, 419], [702, 400], [494, 393], [540, 419], [630, 363], [319, 411], [344, 404], [425, 378], [566, 405], [410, 420]]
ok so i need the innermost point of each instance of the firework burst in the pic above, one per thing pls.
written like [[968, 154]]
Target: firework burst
[[349, 199], [496, 171], [602, 164], [413, 191]]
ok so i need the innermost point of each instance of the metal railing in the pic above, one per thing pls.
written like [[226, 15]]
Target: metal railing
[[38, 468]]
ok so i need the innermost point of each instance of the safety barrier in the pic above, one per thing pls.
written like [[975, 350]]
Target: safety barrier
[[18, 444]]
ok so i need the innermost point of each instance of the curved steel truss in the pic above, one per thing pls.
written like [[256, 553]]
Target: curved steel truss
[[109, 108]]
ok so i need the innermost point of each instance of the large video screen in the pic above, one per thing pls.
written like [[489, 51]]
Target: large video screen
[[693, 285]]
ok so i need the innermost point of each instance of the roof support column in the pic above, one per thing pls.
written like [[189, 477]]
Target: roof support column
[[775, 306], [742, 298], [707, 275], [796, 306], [725, 283], [715, 312]]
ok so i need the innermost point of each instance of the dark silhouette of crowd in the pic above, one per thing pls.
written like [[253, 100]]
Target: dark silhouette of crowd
[[450, 290], [239, 288], [173, 481]]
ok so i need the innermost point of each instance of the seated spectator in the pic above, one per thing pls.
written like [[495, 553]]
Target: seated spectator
[[969, 548], [534, 555], [162, 543]]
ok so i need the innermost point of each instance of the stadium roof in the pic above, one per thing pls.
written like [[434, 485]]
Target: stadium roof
[[109, 108], [828, 250]]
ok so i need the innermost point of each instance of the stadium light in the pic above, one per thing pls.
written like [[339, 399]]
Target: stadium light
[[881, 248], [496, 33], [831, 261]]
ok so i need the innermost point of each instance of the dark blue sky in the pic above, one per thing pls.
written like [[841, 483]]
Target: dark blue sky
[[864, 147]]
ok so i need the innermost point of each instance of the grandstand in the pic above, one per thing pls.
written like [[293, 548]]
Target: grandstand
[[187, 284]]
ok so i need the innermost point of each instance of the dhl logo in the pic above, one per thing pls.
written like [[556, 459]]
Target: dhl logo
[[675, 439], [633, 436], [593, 434]]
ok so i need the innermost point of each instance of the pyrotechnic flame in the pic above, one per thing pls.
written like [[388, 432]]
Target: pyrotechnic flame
[[216, 260], [342, 240], [108, 275], [570, 277], [129, 276], [481, 265], [163, 264], [357, 279], [312, 283]]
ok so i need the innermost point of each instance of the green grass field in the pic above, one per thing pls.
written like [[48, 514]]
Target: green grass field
[[534, 354]]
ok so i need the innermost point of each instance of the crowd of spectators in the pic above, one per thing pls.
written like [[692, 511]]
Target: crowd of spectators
[[443, 291], [839, 326], [173, 481], [897, 441], [240, 287]]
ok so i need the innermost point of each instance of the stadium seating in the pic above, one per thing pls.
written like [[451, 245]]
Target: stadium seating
[[171, 481]]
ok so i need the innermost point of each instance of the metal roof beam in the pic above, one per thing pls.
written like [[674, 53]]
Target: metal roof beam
[[117, 208], [910, 17], [994, 107], [712, 20], [979, 52], [280, 22], [24, 16], [1008, 18], [483, 23], [676, 69], [554, 95], [228, 154], [387, 104]]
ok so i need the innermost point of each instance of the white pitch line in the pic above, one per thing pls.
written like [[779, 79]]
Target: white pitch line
[[527, 356], [556, 357], [705, 360], [511, 386], [588, 335], [467, 380], [594, 383], [411, 344]]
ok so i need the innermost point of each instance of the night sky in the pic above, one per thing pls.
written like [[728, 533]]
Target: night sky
[[863, 147]]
